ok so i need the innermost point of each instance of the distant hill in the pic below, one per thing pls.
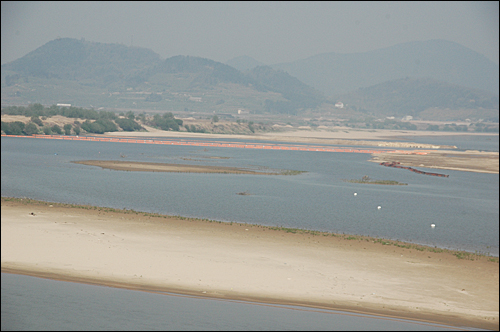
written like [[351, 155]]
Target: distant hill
[[205, 72], [298, 94], [86, 74], [414, 96], [334, 73], [86, 62], [244, 63], [114, 76]]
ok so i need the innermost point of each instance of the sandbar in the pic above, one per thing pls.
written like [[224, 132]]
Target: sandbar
[[246, 262], [470, 161], [438, 156], [179, 168]]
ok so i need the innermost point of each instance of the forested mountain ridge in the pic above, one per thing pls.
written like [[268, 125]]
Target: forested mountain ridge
[[83, 61], [114, 76], [131, 76]]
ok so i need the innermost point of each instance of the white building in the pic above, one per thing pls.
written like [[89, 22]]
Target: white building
[[339, 105]]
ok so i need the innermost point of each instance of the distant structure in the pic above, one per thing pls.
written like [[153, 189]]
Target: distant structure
[[63, 105], [339, 105], [407, 118]]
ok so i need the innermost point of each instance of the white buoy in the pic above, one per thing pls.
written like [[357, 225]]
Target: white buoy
[[355, 194], [379, 207], [432, 225]]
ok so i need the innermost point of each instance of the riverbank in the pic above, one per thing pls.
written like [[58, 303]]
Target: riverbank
[[246, 262]]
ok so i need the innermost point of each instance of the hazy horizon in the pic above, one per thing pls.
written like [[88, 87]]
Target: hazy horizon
[[269, 32]]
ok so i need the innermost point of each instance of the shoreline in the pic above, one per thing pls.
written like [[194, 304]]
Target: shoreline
[[263, 264], [384, 313]]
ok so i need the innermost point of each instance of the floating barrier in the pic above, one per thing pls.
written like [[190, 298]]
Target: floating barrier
[[267, 146]]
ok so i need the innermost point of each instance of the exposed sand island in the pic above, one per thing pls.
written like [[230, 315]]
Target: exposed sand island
[[471, 161], [179, 168], [247, 262]]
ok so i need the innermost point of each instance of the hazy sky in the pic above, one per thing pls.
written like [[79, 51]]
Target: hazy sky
[[270, 32]]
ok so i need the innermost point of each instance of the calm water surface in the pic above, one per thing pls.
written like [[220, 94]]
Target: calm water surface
[[30, 303], [464, 207]]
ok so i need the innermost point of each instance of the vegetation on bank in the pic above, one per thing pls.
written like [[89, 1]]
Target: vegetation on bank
[[460, 254], [96, 122], [366, 180]]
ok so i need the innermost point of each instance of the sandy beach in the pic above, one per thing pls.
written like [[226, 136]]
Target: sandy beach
[[246, 262]]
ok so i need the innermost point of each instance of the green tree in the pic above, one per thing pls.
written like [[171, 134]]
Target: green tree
[[47, 130], [128, 124], [215, 118], [76, 129], [13, 128], [130, 115], [37, 120], [31, 129], [67, 129], [56, 129]]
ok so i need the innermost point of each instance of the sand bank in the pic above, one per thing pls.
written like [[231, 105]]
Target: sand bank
[[471, 161], [438, 155], [179, 168], [294, 134], [245, 262]]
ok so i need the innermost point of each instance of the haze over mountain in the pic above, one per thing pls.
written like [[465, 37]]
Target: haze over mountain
[[137, 76], [80, 60], [424, 98], [89, 74], [334, 73], [244, 63]]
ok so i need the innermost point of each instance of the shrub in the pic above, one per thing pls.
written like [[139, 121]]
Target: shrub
[[67, 129], [13, 128], [46, 130], [107, 124], [56, 129], [37, 120], [31, 129], [128, 124]]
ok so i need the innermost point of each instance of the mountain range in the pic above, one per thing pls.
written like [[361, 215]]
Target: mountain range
[[90, 74], [335, 74]]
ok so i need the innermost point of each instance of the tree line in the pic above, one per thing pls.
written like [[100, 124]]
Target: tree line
[[104, 121]]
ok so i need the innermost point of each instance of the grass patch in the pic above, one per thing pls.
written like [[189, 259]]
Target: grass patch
[[366, 180]]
